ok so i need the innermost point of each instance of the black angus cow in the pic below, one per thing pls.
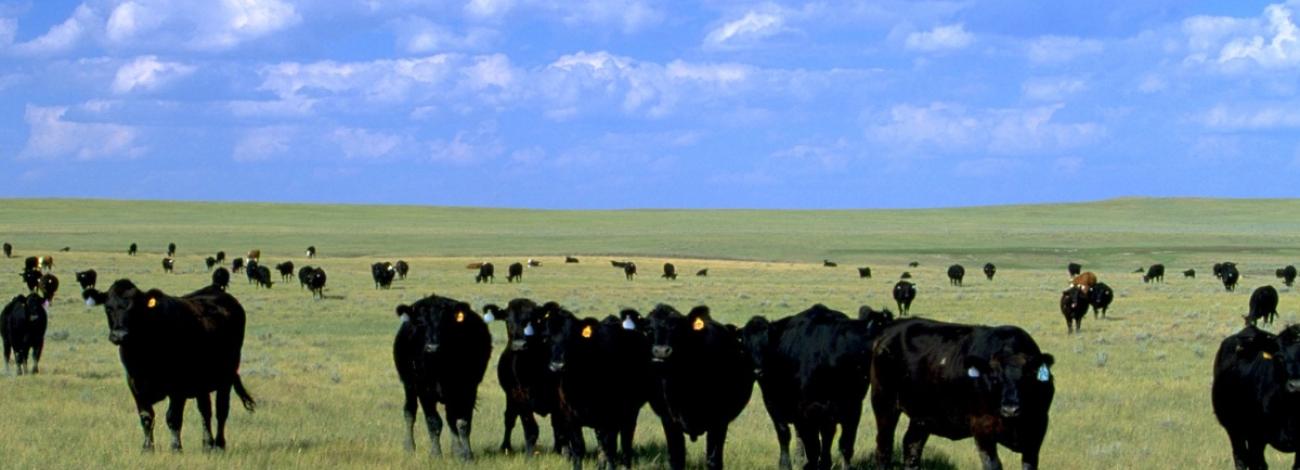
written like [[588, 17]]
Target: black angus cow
[[670, 272], [87, 278], [524, 374], [1190, 273], [311, 252], [31, 263], [383, 274], [1256, 391], [209, 262], [570, 259], [1100, 297], [131, 250], [65, 249], [515, 272], [286, 270], [914, 264], [955, 274], [990, 270], [441, 352], [316, 283], [221, 278], [1263, 305], [236, 265], [49, 285], [168, 264], [261, 275], [702, 379], [221, 256], [1074, 306], [629, 271], [32, 278], [604, 381], [864, 273], [904, 293], [402, 269], [1219, 267], [303, 273], [1156, 273], [813, 369], [1074, 269], [485, 273], [829, 263], [1287, 275], [533, 263], [177, 348], [171, 250], [22, 328], [702, 273], [958, 381], [9, 250], [905, 275], [1230, 277]]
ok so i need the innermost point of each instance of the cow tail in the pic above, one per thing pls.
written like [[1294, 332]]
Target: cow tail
[[249, 403]]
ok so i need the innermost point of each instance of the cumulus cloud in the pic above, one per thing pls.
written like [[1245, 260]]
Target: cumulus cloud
[[1271, 41], [148, 73], [587, 78], [1252, 117], [1053, 88], [1280, 49], [212, 25], [488, 8], [747, 29], [467, 147], [418, 35], [362, 143], [948, 128], [941, 38], [1061, 49], [263, 143], [52, 136], [62, 37]]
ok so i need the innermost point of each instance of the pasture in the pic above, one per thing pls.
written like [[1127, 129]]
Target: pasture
[[1132, 390]]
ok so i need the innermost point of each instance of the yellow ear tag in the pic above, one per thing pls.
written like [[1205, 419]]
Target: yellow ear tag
[[1267, 356], [698, 325], [586, 331], [460, 317], [152, 302]]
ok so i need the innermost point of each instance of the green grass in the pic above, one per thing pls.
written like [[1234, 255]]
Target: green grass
[[1132, 390]]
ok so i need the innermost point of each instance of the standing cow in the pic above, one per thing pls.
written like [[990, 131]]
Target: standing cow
[[629, 270], [168, 264], [670, 272], [864, 273], [9, 250], [515, 272], [1084, 281], [955, 274], [1156, 273], [1263, 305], [904, 293], [286, 270], [221, 279], [525, 376], [1074, 306], [1100, 297], [402, 269], [383, 274], [87, 278], [1256, 391], [236, 265], [311, 252], [209, 262], [1230, 276], [990, 270], [22, 329], [1287, 275], [1189, 274], [316, 283], [1074, 269], [131, 250], [171, 250]]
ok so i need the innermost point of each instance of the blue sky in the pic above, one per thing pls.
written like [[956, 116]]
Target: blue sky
[[641, 103]]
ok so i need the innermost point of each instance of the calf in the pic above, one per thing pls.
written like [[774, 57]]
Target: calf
[[670, 272], [22, 328], [1100, 297], [311, 252], [1084, 281], [629, 271], [1156, 273], [485, 272], [990, 270], [286, 270], [131, 250], [570, 259], [1074, 269], [171, 250], [864, 273], [524, 374], [1074, 306], [959, 381], [515, 272], [1230, 276], [1190, 273], [177, 348], [402, 268], [441, 352], [1256, 391], [87, 278], [221, 279], [168, 264], [1287, 275], [904, 293], [316, 283], [1263, 305], [955, 274], [383, 274]]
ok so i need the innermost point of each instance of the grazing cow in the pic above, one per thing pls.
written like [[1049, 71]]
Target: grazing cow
[[1287, 275], [131, 250], [261, 275], [1074, 269], [629, 271], [47, 263], [1255, 392], [702, 379], [864, 273], [311, 252], [1230, 277], [524, 374], [670, 272], [236, 265], [254, 255], [814, 371], [209, 262], [1100, 297], [1263, 305], [702, 273], [829, 263], [177, 348], [22, 328], [619, 264], [383, 274], [1156, 273], [31, 263], [570, 259], [905, 275], [914, 264], [485, 273], [250, 271], [171, 250], [904, 293], [221, 279], [65, 249], [955, 274], [286, 270], [87, 278], [959, 381], [1084, 281], [441, 352], [402, 268], [168, 264], [9, 250], [1139, 270], [532, 263], [515, 272], [990, 270], [1190, 273], [604, 381], [221, 256], [316, 283], [48, 286], [303, 272], [32, 278], [1074, 306]]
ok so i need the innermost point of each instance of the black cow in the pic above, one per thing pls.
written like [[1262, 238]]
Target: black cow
[[221, 278], [864, 273], [311, 252], [209, 262], [9, 250], [1156, 273], [87, 278], [32, 278], [1074, 269], [1139, 270], [31, 263], [914, 264], [1218, 268], [221, 256], [402, 268], [1256, 391], [316, 282], [904, 293], [65, 249], [131, 250], [1230, 277], [1100, 296], [905, 275], [524, 374], [958, 381], [286, 270], [1287, 275], [1190, 273], [1263, 305], [515, 272], [236, 265], [702, 379], [22, 328], [441, 352], [619, 264], [261, 275], [48, 286], [171, 250], [250, 271], [303, 272], [1074, 306], [532, 263], [177, 348], [955, 274], [603, 381], [629, 271], [570, 259], [485, 272], [829, 263], [670, 272], [761, 338], [990, 270], [383, 274], [168, 264], [702, 273]]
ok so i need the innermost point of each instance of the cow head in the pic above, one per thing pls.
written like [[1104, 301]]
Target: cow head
[[876, 319], [522, 317], [570, 336], [1074, 298], [1288, 354], [437, 321], [1014, 379], [26, 308], [756, 337], [126, 307]]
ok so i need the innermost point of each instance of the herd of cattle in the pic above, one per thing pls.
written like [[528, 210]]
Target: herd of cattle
[[814, 368]]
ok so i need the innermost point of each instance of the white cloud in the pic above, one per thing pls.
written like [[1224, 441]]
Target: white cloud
[[362, 143], [1231, 44], [587, 78], [51, 136], [941, 38], [379, 80], [1061, 49], [1282, 49], [418, 35], [946, 128], [745, 30], [8, 28], [148, 73], [1053, 88], [262, 143], [210, 25], [1252, 117], [467, 147], [488, 8], [63, 36], [490, 71]]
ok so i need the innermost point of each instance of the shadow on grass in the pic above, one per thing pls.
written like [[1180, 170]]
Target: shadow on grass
[[930, 461]]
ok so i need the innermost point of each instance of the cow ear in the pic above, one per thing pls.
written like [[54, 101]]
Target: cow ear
[[405, 311], [490, 313], [701, 311], [1049, 360]]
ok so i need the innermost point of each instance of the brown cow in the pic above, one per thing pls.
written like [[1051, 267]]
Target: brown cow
[[1084, 281], [47, 263], [474, 265], [255, 255]]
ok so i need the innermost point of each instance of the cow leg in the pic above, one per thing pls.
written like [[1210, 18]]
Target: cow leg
[[223, 412], [146, 422], [886, 422], [434, 422], [811, 445], [408, 411], [508, 427], [626, 435], [714, 447], [827, 432], [460, 417], [608, 441], [20, 356], [7, 351], [848, 434], [204, 403], [531, 432], [676, 445], [175, 417], [988, 449], [914, 445], [783, 441]]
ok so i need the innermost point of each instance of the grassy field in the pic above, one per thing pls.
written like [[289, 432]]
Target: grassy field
[[1132, 390]]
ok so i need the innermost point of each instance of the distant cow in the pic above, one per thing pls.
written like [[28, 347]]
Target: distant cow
[[286, 270], [31, 278], [990, 270], [87, 278], [1074, 306], [131, 250], [702, 273], [1230, 276], [9, 250], [1074, 269], [629, 271], [905, 275], [254, 255], [303, 272], [311, 252], [47, 263], [1287, 275], [316, 283], [31, 263], [261, 276], [914, 264], [670, 271], [49, 285], [532, 263], [383, 274], [177, 348], [221, 256], [619, 264], [485, 273], [1084, 281], [250, 271], [515, 272], [1100, 297], [168, 264], [441, 353], [829, 263], [524, 374], [221, 278], [864, 273], [1219, 268], [1156, 273], [171, 250], [1263, 305], [570, 259], [210, 262], [955, 274], [904, 294], [1139, 270], [22, 328], [237, 265], [1254, 393], [1190, 273], [959, 381], [65, 249], [402, 269]]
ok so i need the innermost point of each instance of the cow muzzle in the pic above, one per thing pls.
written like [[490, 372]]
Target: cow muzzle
[[557, 366], [117, 336], [431, 347], [1010, 411], [1293, 386], [660, 353], [518, 344]]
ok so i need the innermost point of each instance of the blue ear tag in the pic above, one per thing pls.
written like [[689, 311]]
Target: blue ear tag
[[528, 330], [973, 373], [628, 324], [489, 317], [90, 301], [1043, 374]]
